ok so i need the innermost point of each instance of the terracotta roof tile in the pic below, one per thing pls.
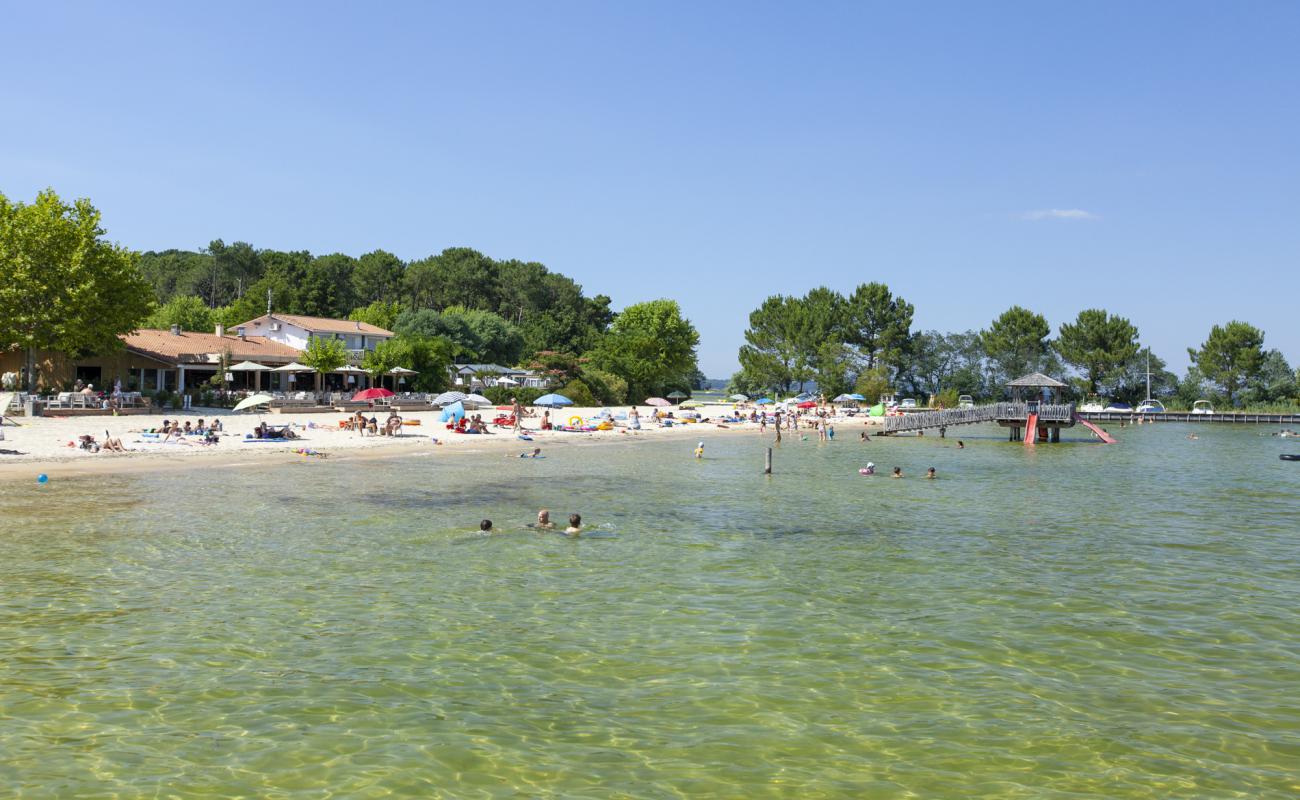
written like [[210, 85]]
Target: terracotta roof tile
[[196, 347]]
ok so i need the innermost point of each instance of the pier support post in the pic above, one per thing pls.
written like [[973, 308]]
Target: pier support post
[[943, 431], [1056, 435], [767, 462]]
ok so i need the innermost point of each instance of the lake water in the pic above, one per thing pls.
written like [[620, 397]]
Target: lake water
[[1054, 622]]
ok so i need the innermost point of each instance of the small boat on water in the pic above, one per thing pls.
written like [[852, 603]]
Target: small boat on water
[[1202, 407], [1150, 406], [1290, 456]]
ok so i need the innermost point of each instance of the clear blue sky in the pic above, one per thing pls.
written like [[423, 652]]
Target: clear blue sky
[[1141, 157]]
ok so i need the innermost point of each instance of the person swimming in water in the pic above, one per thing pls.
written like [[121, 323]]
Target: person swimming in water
[[898, 472], [575, 525], [537, 453], [485, 526], [869, 469], [929, 473], [544, 520], [961, 445], [699, 450]]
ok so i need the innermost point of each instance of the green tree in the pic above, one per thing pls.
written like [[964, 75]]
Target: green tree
[[1129, 384], [651, 346], [327, 288], [381, 314], [324, 356], [175, 272], [1097, 344], [231, 271], [499, 342], [770, 356], [938, 362], [1274, 383], [606, 386], [64, 288], [377, 277], [1231, 356], [1016, 343], [578, 391], [878, 324], [188, 311], [872, 384]]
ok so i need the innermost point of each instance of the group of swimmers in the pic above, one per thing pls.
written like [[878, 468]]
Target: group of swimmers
[[870, 469], [543, 523]]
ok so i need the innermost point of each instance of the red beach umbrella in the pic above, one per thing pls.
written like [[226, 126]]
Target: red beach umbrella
[[372, 394], [807, 404]]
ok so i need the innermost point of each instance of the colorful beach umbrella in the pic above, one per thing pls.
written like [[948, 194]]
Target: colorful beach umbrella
[[691, 404], [657, 401], [477, 400], [553, 401], [371, 394], [739, 398], [856, 396], [447, 398], [675, 395], [807, 404], [764, 401]]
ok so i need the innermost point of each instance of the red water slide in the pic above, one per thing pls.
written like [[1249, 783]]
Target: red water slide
[[1031, 429], [1105, 437]]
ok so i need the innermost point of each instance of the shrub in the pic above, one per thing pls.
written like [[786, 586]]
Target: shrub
[[500, 395], [579, 393]]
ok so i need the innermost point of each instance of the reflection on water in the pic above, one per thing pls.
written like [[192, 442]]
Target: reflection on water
[[1062, 621]]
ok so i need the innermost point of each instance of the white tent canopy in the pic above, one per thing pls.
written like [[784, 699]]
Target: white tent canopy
[[248, 366], [293, 366]]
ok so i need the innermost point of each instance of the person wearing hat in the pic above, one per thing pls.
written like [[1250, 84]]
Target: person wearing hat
[[869, 469], [699, 450]]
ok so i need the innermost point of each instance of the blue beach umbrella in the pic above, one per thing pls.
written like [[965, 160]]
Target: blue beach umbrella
[[857, 397], [553, 401], [764, 401], [454, 411]]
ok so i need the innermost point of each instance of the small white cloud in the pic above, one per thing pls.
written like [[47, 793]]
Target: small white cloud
[[1058, 213]]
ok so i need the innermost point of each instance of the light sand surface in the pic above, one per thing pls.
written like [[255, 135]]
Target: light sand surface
[[42, 444]]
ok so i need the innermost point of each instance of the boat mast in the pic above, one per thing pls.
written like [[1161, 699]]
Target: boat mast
[[1148, 374]]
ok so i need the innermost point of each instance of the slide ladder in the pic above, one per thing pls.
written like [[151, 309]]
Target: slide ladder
[[1031, 428], [1105, 437]]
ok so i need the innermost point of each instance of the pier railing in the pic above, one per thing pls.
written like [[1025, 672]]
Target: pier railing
[[922, 420], [926, 420]]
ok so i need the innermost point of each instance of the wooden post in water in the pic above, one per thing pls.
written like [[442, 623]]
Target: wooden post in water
[[767, 462]]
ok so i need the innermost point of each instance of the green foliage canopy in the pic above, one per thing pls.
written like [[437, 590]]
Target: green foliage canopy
[[1097, 344], [1230, 356], [651, 346], [65, 287]]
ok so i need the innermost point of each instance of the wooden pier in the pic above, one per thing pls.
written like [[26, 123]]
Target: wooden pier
[[1185, 416]]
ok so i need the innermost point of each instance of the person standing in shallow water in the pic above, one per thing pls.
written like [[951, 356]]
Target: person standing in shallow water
[[575, 525]]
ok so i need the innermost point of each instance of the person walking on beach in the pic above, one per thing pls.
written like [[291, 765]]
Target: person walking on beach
[[518, 412]]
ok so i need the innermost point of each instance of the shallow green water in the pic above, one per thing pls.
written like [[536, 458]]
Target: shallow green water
[[1075, 620]]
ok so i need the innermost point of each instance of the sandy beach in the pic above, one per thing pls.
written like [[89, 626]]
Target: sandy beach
[[48, 444]]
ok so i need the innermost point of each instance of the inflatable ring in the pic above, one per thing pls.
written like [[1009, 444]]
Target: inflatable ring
[[575, 421]]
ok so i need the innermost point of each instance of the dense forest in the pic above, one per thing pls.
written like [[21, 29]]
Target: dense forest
[[457, 305], [865, 342]]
